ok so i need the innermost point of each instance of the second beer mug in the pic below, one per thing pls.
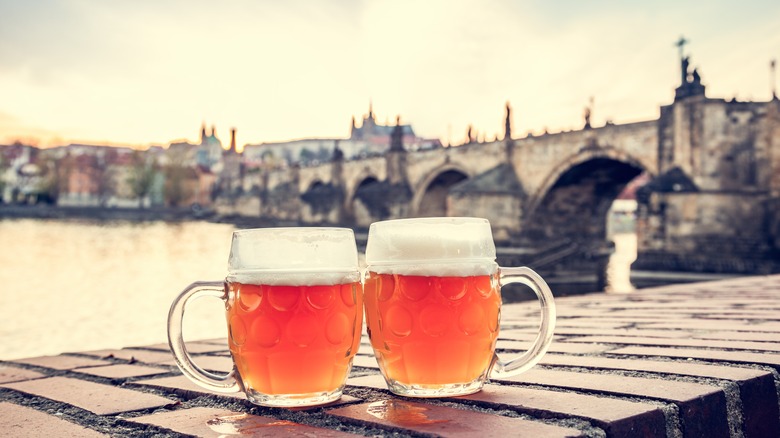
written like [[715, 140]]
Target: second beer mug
[[294, 314], [433, 304]]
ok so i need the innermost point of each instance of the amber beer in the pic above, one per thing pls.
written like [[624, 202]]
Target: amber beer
[[293, 339], [433, 302], [433, 330], [294, 310]]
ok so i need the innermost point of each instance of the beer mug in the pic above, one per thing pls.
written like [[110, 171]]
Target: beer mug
[[294, 310], [433, 305]]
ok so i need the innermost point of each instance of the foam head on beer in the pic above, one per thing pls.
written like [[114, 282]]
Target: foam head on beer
[[458, 246], [293, 256]]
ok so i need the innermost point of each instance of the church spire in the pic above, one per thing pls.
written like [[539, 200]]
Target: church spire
[[233, 140], [508, 123]]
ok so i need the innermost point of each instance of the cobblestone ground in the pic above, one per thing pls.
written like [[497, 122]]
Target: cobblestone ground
[[694, 360]]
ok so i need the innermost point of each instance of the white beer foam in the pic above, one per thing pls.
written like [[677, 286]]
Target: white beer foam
[[432, 246], [300, 250], [290, 278], [477, 267]]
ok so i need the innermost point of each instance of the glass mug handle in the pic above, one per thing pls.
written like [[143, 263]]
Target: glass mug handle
[[534, 354], [225, 383]]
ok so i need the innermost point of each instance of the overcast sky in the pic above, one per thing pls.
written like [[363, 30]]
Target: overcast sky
[[151, 72]]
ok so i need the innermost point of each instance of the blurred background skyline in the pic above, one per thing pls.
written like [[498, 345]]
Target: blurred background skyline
[[148, 73]]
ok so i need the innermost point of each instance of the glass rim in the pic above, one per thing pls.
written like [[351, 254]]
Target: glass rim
[[435, 219], [260, 230]]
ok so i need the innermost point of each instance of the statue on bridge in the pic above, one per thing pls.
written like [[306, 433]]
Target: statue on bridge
[[690, 84], [397, 136], [588, 113]]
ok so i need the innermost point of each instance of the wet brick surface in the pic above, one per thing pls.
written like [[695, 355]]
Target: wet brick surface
[[687, 360]]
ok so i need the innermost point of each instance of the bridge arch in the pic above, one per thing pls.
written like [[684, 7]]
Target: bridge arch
[[573, 201], [430, 196], [314, 185], [355, 208]]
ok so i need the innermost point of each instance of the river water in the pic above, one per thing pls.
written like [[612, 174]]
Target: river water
[[75, 285]]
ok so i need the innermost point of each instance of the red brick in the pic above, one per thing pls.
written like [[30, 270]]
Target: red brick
[[218, 341], [402, 415], [565, 311], [726, 356], [220, 364], [594, 322], [517, 335], [666, 367], [365, 349], [365, 361], [756, 387], [21, 421], [187, 389], [13, 374], [192, 347], [565, 332], [62, 362], [702, 407], [709, 314], [773, 326], [623, 321], [740, 336], [183, 387], [733, 345], [121, 371], [200, 421], [704, 324], [555, 347], [616, 417], [144, 356], [94, 397]]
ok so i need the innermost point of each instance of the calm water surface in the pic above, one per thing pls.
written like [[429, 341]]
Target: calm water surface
[[69, 286], [78, 285]]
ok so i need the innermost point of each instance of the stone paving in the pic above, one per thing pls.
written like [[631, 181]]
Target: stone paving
[[695, 360]]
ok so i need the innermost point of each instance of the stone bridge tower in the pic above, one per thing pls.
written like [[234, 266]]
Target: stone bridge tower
[[713, 207]]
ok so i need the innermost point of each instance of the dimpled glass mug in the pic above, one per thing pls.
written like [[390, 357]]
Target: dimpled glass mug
[[294, 308], [433, 304]]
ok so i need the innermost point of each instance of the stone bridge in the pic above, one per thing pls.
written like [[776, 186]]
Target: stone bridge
[[711, 204]]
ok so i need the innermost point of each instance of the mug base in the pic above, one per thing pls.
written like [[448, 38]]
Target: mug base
[[293, 400], [433, 391]]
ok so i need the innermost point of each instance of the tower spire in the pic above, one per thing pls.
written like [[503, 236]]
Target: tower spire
[[508, 123], [772, 78]]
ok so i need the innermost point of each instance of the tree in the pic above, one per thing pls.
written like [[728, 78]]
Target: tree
[[176, 173], [106, 186], [55, 178], [141, 176], [3, 167]]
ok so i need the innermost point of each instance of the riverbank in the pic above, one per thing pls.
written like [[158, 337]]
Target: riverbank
[[102, 213], [165, 214]]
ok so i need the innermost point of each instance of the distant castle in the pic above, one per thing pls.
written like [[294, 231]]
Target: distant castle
[[369, 139], [371, 131]]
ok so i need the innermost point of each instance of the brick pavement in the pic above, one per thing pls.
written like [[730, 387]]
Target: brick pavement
[[677, 361]]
